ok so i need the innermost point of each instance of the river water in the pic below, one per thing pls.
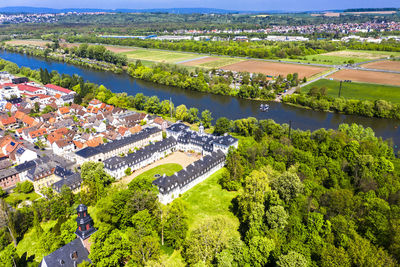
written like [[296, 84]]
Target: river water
[[220, 106]]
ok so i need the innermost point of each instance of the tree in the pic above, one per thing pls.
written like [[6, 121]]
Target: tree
[[193, 115], [181, 113], [259, 250], [207, 240], [288, 186], [223, 125], [109, 248], [276, 217], [95, 181], [206, 118], [176, 225], [293, 259], [148, 248], [128, 171]]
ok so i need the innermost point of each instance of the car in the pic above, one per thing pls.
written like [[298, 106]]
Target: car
[[42, 148], [21, 138], [36, 147]]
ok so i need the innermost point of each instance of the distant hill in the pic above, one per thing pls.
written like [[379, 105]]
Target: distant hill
[[43, 10]]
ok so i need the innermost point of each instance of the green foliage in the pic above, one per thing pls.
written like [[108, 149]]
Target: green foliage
[[95, 181], [24, 187], [223, 125]]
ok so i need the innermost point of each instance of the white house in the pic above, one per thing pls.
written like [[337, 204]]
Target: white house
[[23, 155]]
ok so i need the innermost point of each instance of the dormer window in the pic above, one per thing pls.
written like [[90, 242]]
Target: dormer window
[[74, 256]]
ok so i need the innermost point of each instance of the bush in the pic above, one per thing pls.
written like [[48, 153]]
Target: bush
[[25, 187]]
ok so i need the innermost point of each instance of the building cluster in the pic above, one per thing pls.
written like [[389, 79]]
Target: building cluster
[[37, 120], [213, 148], [27, 18]]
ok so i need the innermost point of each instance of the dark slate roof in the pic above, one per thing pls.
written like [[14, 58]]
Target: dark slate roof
[[166, 184], [62, 172], [226, 140], [68, 97], [140, 155], [63, 256], [73, 181], [114, 145], [177, 127]]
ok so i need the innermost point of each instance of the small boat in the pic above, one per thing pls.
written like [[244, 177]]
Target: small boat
[[264, 107]]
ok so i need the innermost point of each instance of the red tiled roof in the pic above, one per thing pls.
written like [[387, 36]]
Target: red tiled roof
[[38, 133], [9, 106], [19, 115], [95, 142], [64, 110], [27, 88], [28, 120], [135, 129], [158, 120], [58, 88], [9, 120], [95, 102]]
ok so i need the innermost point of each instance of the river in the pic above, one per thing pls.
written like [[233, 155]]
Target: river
[[220, 106]]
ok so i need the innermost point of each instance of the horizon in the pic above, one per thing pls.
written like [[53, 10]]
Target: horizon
[[257, 5]]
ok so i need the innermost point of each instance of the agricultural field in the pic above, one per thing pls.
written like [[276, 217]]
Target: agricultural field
[[383, 65], [274, 69], [159, 56], [363, 76], [354, 90], [343, 57]]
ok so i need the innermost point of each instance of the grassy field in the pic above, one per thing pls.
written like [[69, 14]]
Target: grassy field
[[362, 91], [208, 199], [29, 243], [160, 56], [343, 57], [15, 198], [223, 61]]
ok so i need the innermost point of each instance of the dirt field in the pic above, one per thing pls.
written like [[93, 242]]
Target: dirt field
[[181, 158], [274, 69], [367, 77], [357, 54], [383, 65], [28, 42], [200, 61]]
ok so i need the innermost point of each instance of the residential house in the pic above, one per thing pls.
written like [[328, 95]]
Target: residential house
[[54, 89]]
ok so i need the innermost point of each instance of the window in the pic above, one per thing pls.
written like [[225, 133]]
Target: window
[[87, 226]]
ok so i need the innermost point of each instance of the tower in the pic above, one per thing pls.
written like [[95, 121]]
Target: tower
[[85, 223], [201, 129]]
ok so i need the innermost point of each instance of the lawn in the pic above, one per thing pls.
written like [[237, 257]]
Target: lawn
[[205, 200], [362, 91], [159, 56], [168, 169], [15, 198], [208, 199]]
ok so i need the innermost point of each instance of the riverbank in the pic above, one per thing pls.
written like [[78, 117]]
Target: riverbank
[[219, 106]]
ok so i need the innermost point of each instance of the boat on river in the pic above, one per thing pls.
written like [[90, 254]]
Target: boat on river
[[264, 107]]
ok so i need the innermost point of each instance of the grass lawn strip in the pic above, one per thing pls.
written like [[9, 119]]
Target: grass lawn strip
[[361, 91]]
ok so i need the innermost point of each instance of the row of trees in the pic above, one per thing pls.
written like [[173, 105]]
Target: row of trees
[[98, 52], [367, 108]]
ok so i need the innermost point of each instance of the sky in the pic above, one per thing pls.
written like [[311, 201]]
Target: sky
[[253, 5]]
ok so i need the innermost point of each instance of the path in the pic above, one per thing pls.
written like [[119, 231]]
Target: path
[[293, 89], [181, 158]]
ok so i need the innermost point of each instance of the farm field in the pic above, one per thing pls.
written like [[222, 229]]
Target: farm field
[[200, 61], [274, 69], [383, 65], [42, 43], [361, 91], [343, 57], [367, 77], [160, 56]]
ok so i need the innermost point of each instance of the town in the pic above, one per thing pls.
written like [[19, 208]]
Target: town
[[45, 149]]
